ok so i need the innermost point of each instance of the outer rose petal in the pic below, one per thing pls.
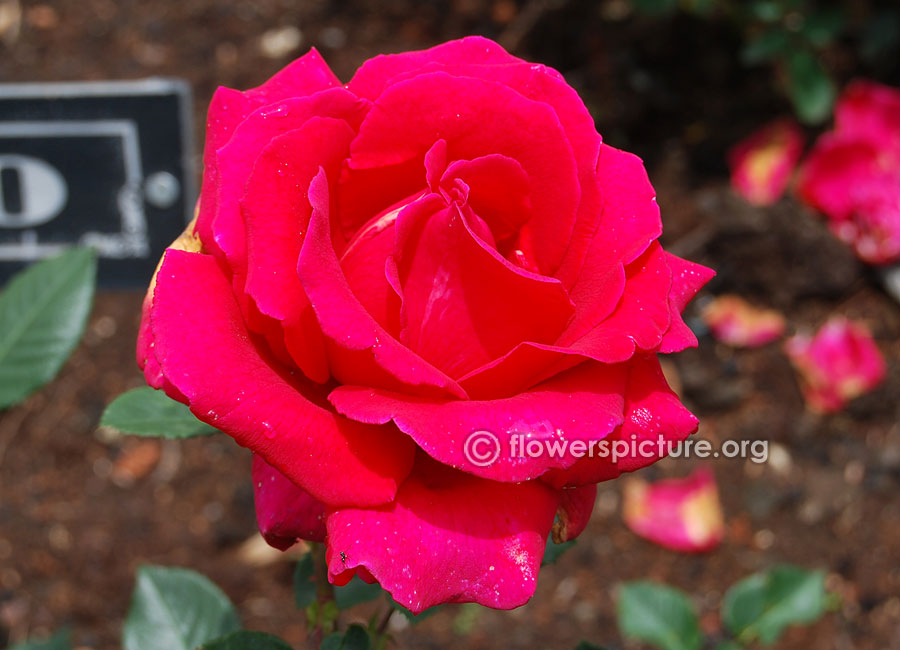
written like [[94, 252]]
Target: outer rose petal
[[530, 362], [284, 512], [841, 362], [574, 513], [376, 74], [584, 404], [687, 279], [228, 108], [762, 164], [654, 419], [683, 515], [206, 353], [370, 348], [235, 161], [447, 538], [640, 319]]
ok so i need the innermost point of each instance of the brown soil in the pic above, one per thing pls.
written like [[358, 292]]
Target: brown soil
[[80, 510]]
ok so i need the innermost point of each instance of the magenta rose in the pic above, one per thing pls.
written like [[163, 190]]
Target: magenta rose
[[392, 284]]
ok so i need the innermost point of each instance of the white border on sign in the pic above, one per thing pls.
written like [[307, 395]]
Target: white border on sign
[[126, 88], [133, 240]]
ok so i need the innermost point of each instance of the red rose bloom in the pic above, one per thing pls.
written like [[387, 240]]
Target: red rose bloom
[[441, 247]]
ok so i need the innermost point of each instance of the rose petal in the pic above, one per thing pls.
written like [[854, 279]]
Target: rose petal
[[680, 514], [464, 304], [762, 164], [574, 513], [276, 214], [498, 191], [869, 111], [234, 162], [832, 169], [734, 321], [687, 279], [206, 353], [228, 108], [410, 116], [583, 404], [375, 75], [371, 355], [447, 538], [639, 320], [284, 512], [841, 362], [655, 419]]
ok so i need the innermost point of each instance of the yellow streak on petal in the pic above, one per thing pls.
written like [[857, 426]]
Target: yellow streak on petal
[[702, 516]]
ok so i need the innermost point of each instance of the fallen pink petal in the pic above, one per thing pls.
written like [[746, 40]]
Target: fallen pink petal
[[680, 514], [762, 164], [837, 364], [734, 321]]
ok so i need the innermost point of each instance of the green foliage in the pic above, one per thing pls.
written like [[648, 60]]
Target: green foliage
[[62, 640], [810, 88], [791, 36], [176, 609], [761, 606], [149, 412], [246, 640], [658, 614], [43, 313], [757, 608]]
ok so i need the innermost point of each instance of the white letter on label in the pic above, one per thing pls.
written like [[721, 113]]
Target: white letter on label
[[31, 193]]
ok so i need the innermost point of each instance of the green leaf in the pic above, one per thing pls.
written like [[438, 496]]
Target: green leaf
[[415, 619], [355, 638], [659, 615], [553, 551], [176, 609], [332, 642], [43, 312], [150, 412], [304, 587], [762, 605], [246, 640], [62, 640], [810, 88], [355, 592]]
